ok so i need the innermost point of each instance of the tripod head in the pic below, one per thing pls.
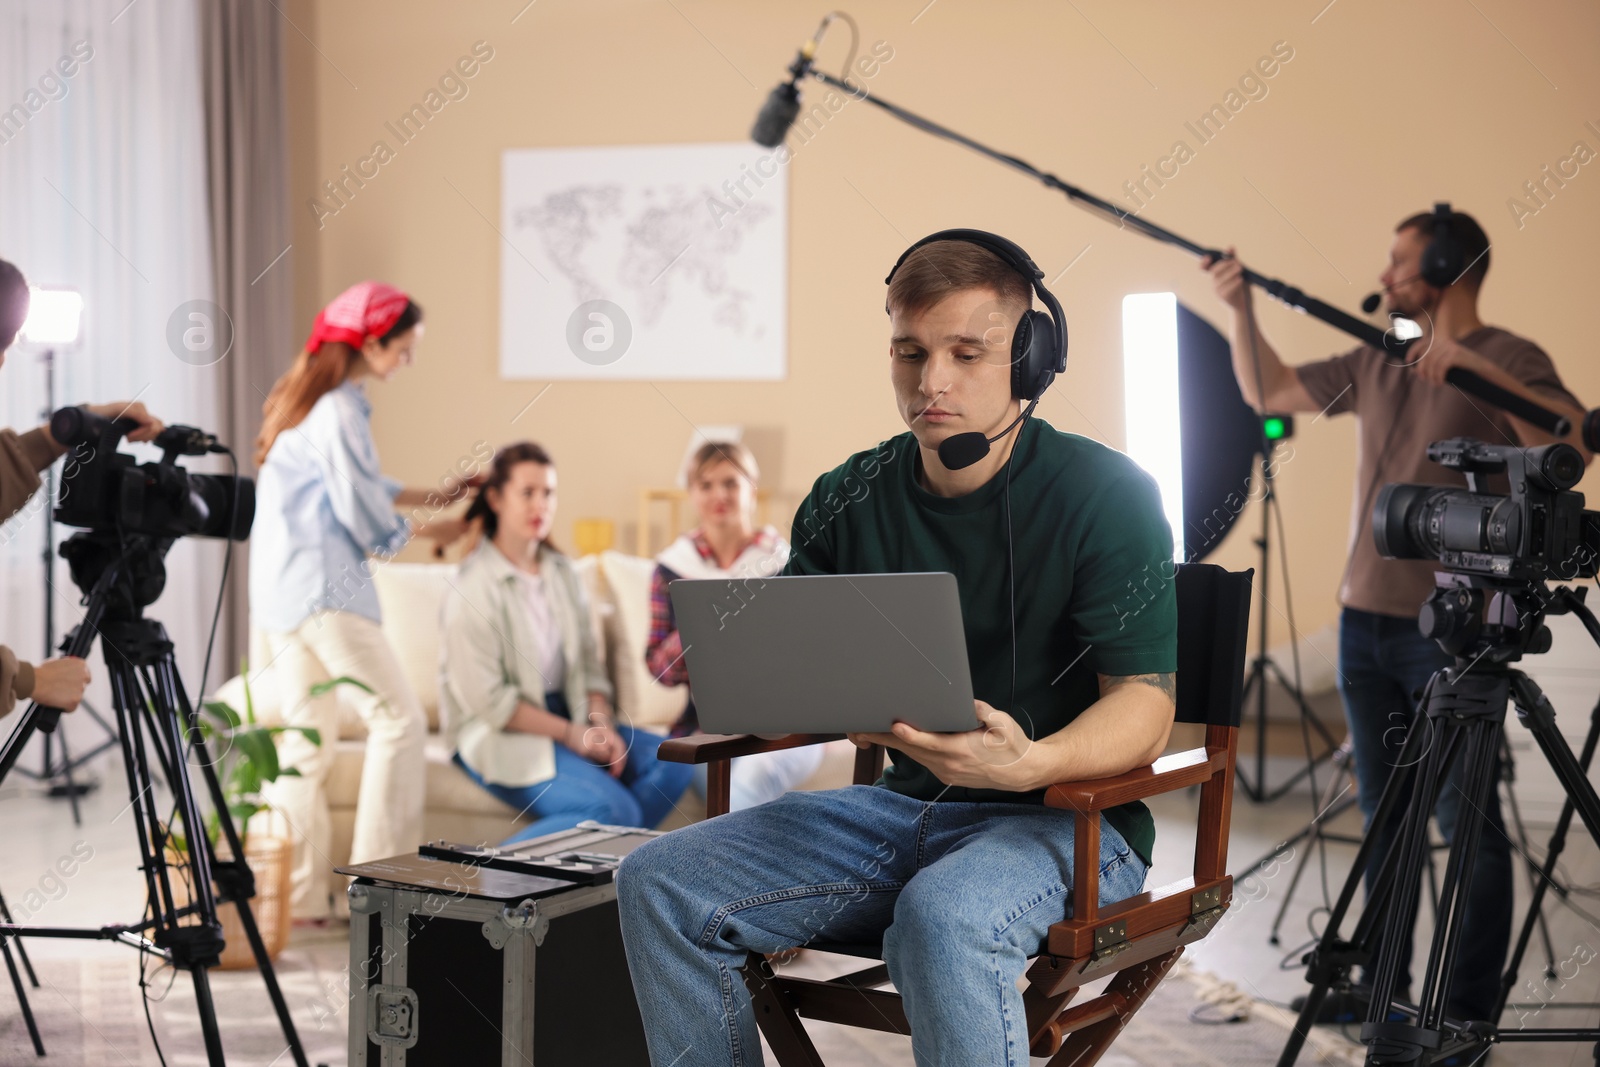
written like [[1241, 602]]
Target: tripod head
[[138, 563], [1492, 621]]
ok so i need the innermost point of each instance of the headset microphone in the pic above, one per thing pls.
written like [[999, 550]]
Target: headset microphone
[[1370, 304], [962, 450]]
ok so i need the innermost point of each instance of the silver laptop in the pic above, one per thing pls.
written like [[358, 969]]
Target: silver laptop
[[825, 653]]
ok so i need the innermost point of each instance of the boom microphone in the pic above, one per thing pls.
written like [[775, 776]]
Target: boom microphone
[[776, 116], [782, 105]]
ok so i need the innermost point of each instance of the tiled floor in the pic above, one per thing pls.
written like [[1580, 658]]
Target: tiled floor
[[104, 886]]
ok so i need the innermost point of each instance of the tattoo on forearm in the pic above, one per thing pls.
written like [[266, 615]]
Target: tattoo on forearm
[[1167, 683]]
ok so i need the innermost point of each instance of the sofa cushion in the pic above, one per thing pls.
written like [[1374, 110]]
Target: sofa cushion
[[641, 700], [446, 786], [411, 596]]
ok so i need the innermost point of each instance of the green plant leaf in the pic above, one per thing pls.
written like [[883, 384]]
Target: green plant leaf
[[222, 711], [311, 733], [249, 700], [333, 683], [258, 754]]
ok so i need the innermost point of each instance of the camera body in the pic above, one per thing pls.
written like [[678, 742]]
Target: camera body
[[103, 489], [1539, 532]]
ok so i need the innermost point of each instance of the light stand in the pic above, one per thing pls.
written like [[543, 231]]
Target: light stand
[[1263, 668], [54, 319]]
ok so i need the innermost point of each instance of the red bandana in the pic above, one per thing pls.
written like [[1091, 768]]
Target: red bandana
[[366, 309]]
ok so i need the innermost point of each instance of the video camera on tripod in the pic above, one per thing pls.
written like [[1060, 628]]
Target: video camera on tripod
[[132, 511], [130, 515], [1488, 610], [108, 489], [1539, 531], [1491, 543]]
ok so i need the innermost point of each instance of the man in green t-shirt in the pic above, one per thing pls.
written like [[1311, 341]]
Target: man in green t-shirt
[[1063, 559]]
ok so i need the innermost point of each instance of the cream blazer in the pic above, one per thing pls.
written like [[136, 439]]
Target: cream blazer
[[489, 651]]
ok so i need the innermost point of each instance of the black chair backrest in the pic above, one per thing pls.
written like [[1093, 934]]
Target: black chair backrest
[[1213, 621]]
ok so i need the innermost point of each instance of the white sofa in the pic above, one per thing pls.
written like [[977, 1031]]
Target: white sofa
[[456, 809]]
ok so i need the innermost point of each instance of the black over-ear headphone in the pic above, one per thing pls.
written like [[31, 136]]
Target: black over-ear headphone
[[1039, 345], [1441, 262]]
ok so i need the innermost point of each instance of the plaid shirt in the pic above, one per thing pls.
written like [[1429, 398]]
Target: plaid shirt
[[663, 649]]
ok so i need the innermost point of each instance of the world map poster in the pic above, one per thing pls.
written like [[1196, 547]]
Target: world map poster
[[650, 262]]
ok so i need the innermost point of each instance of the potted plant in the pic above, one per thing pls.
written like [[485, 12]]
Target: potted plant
[[246, 758]]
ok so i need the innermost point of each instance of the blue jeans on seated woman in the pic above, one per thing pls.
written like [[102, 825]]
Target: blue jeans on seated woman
[[960, 893], [582, 789]]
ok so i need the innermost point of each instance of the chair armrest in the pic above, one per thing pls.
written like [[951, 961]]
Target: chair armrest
[[1180, 769], [708, 748]]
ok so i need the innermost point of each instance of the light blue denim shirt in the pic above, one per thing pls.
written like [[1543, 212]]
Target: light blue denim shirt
[[322, 507]]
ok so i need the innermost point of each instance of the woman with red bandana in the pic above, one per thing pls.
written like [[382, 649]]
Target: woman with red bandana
[[323, 511]]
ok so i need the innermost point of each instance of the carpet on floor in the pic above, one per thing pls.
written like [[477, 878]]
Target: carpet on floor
[[89, 1012]]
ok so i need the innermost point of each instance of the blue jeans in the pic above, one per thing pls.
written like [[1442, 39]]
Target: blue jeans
[[960, 893], [1383, 661], [582, 789]]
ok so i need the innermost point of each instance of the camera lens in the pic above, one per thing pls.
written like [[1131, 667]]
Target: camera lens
[[1424, 521]]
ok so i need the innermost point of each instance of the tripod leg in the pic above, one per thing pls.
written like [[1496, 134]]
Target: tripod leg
[[22, 954], [1483, 742], [208, 1016], [1334, 956], [1520, 844], [22, 994], [241, 889], [1410, 852], [1546, 873], [72, 785]]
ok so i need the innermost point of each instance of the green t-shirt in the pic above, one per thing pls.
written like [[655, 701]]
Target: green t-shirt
[[1094, 589]]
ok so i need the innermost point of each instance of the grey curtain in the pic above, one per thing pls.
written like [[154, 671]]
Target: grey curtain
[[242, 60]]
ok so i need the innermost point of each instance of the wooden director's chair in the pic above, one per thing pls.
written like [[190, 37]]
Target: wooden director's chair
[[1136, 940]]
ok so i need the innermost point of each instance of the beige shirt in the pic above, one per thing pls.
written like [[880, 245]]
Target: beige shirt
[[489, 662], [22, 457], [1398, 415]]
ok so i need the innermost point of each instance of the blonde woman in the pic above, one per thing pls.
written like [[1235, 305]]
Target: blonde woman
[[526, 702], [722, 477]]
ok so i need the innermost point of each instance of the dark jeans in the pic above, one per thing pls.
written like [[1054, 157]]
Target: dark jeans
[[1384, 664]]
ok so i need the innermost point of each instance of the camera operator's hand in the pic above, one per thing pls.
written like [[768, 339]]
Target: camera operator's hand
[[148, 426], [1227, 277], [59, 683]]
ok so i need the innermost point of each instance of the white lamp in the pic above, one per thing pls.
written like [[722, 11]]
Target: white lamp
[[55, 316], [1150, 398]]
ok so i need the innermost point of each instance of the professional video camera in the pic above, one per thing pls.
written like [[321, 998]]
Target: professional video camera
[[130, 512], [1487, 610], [106, 490], [1539, 532]]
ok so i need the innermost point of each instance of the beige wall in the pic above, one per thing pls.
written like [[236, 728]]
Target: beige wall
[[1383, 108]]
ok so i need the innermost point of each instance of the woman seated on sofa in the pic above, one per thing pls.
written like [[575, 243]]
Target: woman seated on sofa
[[721, 479], [521, 687]]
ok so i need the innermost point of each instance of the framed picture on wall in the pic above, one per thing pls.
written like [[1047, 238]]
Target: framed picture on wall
[[649, 262]]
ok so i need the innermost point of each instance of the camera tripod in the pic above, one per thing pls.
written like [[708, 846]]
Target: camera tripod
[[154, 719], [1462, 718]]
